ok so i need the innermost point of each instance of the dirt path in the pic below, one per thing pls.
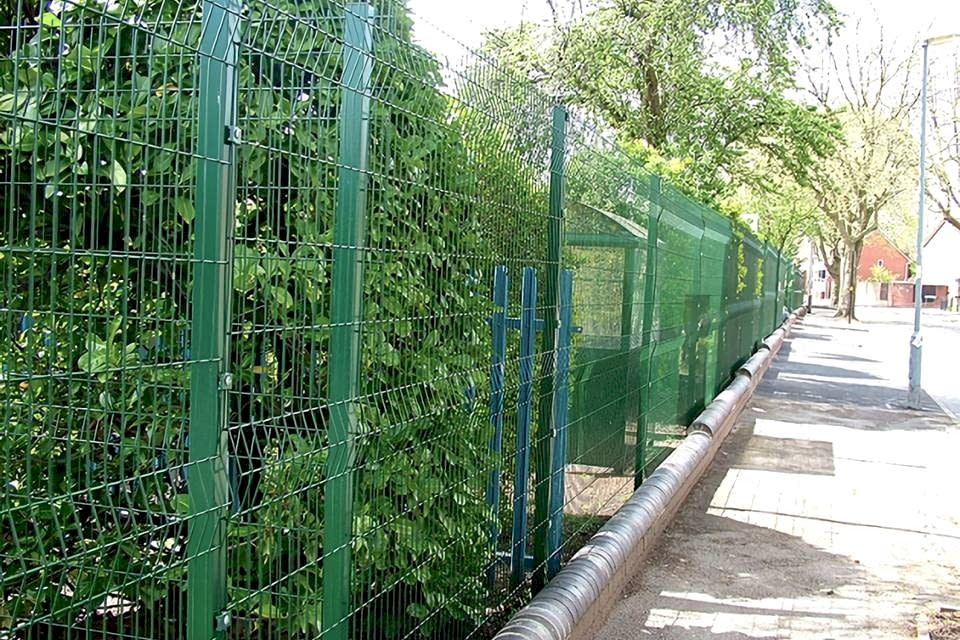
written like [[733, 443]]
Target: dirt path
[[830, 513]]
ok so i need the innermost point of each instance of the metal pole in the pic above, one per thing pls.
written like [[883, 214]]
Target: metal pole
[[916, 340], [521, 476], [777, 303], [851, 287], [546, 431], [498, 330], [646, 336], [207, 617], [349, 237], [560, 402]]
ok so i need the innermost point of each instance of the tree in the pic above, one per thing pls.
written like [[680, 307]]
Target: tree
[[881, 274], [784, 210], [943, 138], [829, 246], [654, 71], [871, 94]]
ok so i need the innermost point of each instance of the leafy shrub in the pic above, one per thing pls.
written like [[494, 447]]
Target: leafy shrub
[[98, 108], [879, 273]]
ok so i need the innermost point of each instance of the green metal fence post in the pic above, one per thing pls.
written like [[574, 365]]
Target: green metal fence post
[[209, 379], [631, 269], [646, 346], [349, 236], [692, 394], [777, 288], [545, 416], [629, 340], [712, 287]]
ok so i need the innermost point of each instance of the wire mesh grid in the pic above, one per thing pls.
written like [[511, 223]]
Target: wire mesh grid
[[100, 148], [286, 329]]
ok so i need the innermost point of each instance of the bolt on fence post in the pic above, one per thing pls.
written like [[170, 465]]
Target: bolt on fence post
[[646, 346], [546, 431], [210, 319], [349, 237]]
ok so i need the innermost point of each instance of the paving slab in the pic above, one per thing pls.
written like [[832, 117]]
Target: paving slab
[[831, 511]]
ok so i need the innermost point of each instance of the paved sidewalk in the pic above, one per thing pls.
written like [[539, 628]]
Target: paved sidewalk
[[829, 513]]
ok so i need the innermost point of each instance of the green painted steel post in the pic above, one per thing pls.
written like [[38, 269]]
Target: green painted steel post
[[646, 342], [631, 269], [546, 431], [693, 327], [628, 339], [349, 237], [209, 379], [714, 293], [777, 287]]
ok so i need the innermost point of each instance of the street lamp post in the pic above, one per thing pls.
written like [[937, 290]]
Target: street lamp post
[[916, 340]]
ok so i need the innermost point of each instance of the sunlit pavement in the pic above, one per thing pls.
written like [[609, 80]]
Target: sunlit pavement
[[940, 375], [830, 512]]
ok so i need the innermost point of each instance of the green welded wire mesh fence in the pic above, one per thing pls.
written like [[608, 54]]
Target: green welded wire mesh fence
[[309, 332]]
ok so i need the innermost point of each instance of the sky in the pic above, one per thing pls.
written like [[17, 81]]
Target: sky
[[904, 20], [451, 32], [469, 20]]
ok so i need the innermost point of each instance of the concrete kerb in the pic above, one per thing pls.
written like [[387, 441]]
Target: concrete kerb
[[585, 590]]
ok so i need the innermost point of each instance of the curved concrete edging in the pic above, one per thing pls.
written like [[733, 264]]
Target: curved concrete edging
[[587, 588]]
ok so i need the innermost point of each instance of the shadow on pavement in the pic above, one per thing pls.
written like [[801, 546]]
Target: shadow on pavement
[[823, 370], [733, 560], [733, 564], [843, 358], [766, 454], [803, 398]]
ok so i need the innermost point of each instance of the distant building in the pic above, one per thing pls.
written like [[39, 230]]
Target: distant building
[[941, 271], [880, 252], [880, 255], [821, 284], [941, 266], [817, 281]]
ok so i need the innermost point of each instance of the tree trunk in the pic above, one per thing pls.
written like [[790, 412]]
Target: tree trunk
[[951, 219], [847, 303], [834, 270]]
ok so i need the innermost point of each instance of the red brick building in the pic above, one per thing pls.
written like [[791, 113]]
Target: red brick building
[[880, 252]]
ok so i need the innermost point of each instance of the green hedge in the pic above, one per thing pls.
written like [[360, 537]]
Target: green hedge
[[98, 109]]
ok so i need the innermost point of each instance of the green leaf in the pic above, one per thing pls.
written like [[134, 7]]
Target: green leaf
[[245, 262], [10, 102], [118, 176], [181, 504], [269, 611], [184, 207], [49, 19]]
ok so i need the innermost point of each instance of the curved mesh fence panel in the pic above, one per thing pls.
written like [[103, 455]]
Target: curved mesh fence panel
[[317, 323]]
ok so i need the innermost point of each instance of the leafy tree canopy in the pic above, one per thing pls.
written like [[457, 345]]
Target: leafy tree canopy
[[780, 209], [702, 82]]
